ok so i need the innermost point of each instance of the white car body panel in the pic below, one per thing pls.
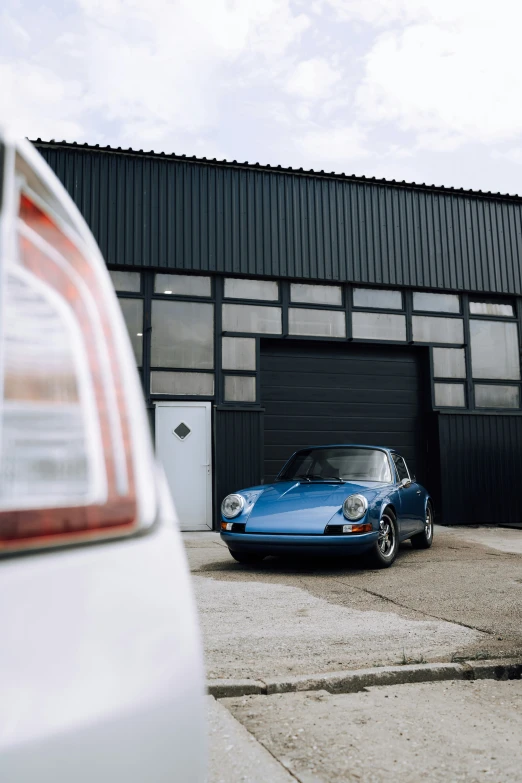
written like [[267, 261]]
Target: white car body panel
[[101, 671]]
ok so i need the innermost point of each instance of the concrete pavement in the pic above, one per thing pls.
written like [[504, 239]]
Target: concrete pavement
[[437, 732], [290, 625], [461, 599]]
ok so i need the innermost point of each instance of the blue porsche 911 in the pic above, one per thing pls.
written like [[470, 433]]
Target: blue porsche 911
[[331, 500]]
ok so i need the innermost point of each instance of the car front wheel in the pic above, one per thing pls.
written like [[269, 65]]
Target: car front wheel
[[384, 551], [424, 539], [247, 558]]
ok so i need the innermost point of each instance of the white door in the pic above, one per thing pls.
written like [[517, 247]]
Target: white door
[[183, 444]]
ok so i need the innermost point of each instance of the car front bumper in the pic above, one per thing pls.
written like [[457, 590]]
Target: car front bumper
[[315, 545]]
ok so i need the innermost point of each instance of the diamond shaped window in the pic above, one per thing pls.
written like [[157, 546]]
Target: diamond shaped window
[[182, 431]]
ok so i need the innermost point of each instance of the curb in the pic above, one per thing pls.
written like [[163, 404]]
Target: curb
[[359, 679]]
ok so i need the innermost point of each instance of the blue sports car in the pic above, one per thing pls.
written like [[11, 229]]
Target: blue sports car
[[331, 500]]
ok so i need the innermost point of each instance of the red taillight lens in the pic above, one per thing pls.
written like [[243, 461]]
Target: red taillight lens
[[73, 462]]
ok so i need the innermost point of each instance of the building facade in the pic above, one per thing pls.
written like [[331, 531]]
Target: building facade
[[271, 309]]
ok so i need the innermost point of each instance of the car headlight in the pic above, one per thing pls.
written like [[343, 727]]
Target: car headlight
[[232, 506], [355, 507]]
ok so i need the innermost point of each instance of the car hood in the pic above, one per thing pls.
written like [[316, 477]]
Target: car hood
[[294, 507]]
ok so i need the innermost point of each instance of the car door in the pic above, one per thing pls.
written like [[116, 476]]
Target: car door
[[411, 514]]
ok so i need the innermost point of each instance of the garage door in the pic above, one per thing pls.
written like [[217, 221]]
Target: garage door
[[316, 393]]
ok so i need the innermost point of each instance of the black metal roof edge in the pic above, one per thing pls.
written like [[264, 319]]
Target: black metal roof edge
[[281, 170]]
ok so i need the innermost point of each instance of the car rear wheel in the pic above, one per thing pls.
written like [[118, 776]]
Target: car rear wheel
[[424, 539], [384, 551], [247, 558]]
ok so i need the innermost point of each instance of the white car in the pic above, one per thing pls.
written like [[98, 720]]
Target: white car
[[101, 671]]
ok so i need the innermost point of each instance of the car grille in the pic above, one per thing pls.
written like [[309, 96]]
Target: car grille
[[238, 527]]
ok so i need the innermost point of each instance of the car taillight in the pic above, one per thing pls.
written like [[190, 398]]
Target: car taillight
[[75, 454]]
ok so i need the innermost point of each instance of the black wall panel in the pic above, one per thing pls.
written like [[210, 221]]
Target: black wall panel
[[238, 449], [149, 210], [481, 469]]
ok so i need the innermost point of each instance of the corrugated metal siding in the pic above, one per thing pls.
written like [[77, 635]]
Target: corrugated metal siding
[[159, 212], [481, 465], [238, 451]]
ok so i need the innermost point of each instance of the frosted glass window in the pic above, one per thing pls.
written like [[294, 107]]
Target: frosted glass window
[[438, 303], [449, 363], [450, 395], [491, 308], [490, 396], [431, 329], [266, 290], [494, 350], [182, 334], [126, 281], [316, 294], [252, 318], [238, 353], [318, 323], [240, 388], [379, 326], [182, 285], [132, 310], [383, 298], [193, 383]]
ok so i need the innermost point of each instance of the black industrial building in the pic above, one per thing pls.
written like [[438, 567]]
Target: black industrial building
[[306, 308]]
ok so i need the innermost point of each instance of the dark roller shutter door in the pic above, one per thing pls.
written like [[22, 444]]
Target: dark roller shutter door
[[315, 393]]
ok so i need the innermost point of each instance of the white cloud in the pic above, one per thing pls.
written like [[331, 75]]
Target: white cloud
[[151, 68], [341, 147], [312, 79], [34, 100], [426, 88], [452, 79], [512, 155]]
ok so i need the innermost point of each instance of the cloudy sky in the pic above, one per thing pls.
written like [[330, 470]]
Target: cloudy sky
[[415, 90]]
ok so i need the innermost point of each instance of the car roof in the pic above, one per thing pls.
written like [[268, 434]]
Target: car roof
[[348, 445]]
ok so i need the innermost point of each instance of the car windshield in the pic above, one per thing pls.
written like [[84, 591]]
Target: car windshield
[[338, 464]]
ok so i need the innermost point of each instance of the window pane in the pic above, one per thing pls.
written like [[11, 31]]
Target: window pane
[[182, 334], [316, 294], [132, 310], [430, 329], [126, 281], [240, 388], [321, 323], [182, 285], [438, 303], [197, 383], [377, 297], [449, 363], [379, 326], [267, 290], [489, 396], [450, 395], [252, 318], [238, 353], [400, 467], [494, 350], [491, 308]]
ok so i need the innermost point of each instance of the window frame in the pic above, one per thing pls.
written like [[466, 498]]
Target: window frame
[[147, 295]]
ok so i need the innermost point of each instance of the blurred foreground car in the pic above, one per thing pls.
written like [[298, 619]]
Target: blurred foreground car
[[101, 675], [331, 500]]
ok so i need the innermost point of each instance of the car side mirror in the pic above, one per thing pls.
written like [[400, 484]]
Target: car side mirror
[[405, 483]]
